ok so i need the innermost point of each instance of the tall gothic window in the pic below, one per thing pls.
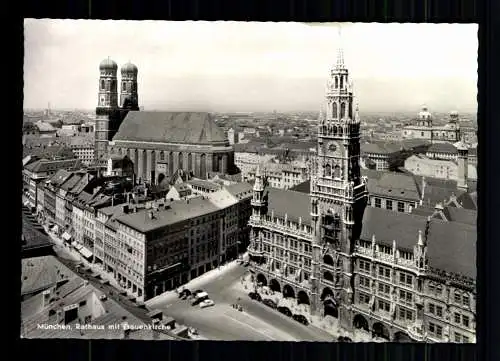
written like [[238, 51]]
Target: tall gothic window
[[113, 85], [335, 110], [124, 85], [350, 110], [102, 84], [341, 82], [336, 172], [336, 82], [342, 110], [129, 87], [328, 170]]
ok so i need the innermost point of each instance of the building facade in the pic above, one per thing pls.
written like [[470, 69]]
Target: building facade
[[424, 129], [383, 271], [197, 145]]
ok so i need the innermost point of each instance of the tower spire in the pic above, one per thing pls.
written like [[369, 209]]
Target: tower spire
[[340, 50]]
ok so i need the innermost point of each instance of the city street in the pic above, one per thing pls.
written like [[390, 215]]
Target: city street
[[222, 322]]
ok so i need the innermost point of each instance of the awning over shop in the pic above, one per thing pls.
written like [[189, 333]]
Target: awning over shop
[[85, 252], [66, 236]]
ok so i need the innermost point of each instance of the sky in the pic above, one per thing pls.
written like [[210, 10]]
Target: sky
[[251, 66]]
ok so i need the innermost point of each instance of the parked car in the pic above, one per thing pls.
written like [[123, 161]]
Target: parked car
[[301, 318], [343, 339], [285, 310], [255, 296], [196, 292], [270, 303], [184, 293], [199, 297], [207, 303]]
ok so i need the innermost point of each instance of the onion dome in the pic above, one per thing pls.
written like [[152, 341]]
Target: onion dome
[[129, 68], [108, 64]]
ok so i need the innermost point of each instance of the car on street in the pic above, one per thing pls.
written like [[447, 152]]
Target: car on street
[[184, 293], [255, 296], [343, 339], [285, 310], [196, 292], [207, 303], [270, 303], [199, 297], [301, 318]]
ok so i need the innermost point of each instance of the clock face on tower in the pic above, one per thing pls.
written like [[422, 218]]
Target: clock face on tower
[[332, 147]]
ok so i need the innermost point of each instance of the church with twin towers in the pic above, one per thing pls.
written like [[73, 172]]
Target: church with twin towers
[[160, 144]]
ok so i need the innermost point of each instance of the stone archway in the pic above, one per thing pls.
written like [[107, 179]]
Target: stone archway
[[329, 303], [303, 298], [327, 259], [288, 291], [380, 330], [274, 285], [261, 279], [361, 323], [402, 337]]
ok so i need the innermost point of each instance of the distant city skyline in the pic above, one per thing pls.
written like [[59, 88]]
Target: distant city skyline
[[253, 67]]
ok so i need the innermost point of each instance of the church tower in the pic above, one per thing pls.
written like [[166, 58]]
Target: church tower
[[128, 90], [107, 103], [338, 193]]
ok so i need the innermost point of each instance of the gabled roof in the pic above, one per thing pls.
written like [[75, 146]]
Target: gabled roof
[[380, 148], [240, 190], [294, 204], [40, 273], [170, 127], [71, 181], [447, 148], [388, 226], [442, 238], [461, 215], [445, 237], [394, 185], [60, 177]]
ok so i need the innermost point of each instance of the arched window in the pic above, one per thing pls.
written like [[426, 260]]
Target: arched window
[[336, 172], [350, 110], [341, 82], [336, 82], [103, 84], [124, 86], [342, 110], [335, 110], [328, 170], [113, 84]]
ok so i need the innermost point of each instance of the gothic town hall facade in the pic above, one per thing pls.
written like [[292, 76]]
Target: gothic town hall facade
[[402, 276]]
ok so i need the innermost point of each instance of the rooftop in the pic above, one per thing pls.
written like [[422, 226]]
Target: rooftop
[[177, 211], [446, 148], [380, 148], [442, 236], [170, 127], [75, 291], [295, 205]]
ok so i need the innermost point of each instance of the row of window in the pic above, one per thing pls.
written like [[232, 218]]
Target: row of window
[[389, 204]]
